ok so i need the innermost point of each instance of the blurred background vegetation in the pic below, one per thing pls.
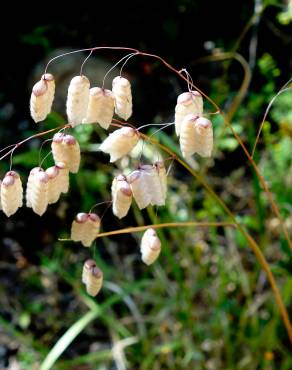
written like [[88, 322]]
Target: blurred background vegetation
[[205, 304]]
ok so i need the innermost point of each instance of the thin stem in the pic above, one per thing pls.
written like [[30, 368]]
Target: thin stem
[[115, 65], [189, 78], [126, 61], [246, 79], [45, 157], [85, 60], [11, 160], [99, 204], [168, 225], [17, 145], [89, 49], [135, 229], [155, 124], [252, 243], [226, 121], [7, 147], [240, 142], [282, 90], [40, 152]]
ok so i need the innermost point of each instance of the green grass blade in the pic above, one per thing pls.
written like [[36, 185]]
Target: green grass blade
[[67, 338]]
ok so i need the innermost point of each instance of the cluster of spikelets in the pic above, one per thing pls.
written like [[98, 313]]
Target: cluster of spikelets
[[195, 132], [98, 105], [43, 187], [147, 184], [84, 104]]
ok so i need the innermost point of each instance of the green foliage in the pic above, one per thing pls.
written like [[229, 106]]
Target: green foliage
[[206, 303]]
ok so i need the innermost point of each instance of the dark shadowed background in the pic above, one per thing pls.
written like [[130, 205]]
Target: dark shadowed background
[[205, 304]]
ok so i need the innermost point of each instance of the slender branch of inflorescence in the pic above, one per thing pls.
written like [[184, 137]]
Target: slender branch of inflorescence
[[135, 229], [282, 90], [226, 121], [39, 134], [252, 243]]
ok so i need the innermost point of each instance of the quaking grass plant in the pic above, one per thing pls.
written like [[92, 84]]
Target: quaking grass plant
[[146, 184]]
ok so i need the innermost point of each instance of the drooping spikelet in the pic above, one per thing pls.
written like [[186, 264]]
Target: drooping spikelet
[[196, 136], [121, 196], [77, 99], [119, 143], [203, 137], [123, 97], [63, 177], [11, 193], [154, 185], [139, 188], [85, 228], [30, 183], [187, 103], [92, 277], [58, 181], [187, 138], [160, 168], [100, 107], [65, 149], [37, 190], [150, 246], [148, 185], [53, 189], [42, 97]]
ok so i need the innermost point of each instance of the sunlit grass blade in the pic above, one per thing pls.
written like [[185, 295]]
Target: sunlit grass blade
[[67, 338]]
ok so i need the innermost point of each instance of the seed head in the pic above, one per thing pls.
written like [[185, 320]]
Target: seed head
[[85, 228], [150, 246], [92, 277], [119, 143], [123, 97], [42, 97], [77, 99], [11, 193]]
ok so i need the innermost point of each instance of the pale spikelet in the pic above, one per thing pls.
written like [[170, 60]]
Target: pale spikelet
[[100, 107], [92, 277], [0, 195], [65, 149], [203, 137], [38, 194], [154, 185], [187, 136], [187, 103], [150, 246], [11, 193], [77, 99], [196, 136], [123, 97], [63, 177], [30, 184], [58, 181], [53, 190], [140, 190], [42, 97], [119, 143], [121, 196], [160, 168], [85, 228]]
